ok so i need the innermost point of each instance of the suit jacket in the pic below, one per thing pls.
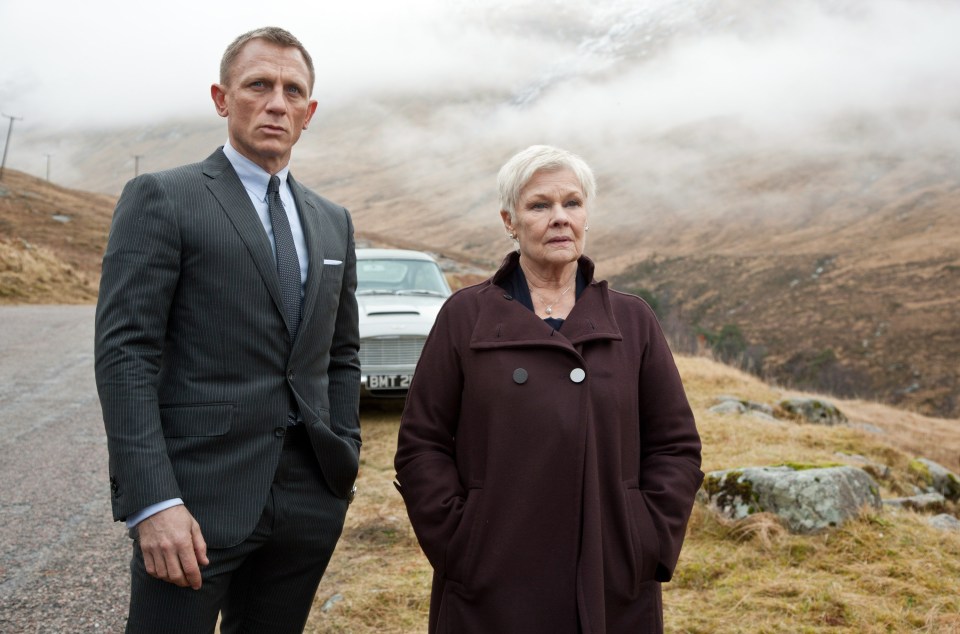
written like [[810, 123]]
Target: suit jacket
[[195, 368]]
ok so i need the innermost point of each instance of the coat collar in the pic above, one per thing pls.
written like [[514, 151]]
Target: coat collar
[[503, 321]]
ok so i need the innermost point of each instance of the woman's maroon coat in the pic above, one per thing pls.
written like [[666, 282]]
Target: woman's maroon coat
[[548, 475]]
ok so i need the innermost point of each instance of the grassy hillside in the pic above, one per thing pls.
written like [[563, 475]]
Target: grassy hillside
[[886, 572], [832, 270], [846, 304], [836, 258], [51, 241]]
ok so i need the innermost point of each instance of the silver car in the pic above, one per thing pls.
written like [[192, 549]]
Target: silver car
[[399, 293]]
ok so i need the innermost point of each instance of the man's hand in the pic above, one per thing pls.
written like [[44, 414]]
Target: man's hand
[[173, 548]]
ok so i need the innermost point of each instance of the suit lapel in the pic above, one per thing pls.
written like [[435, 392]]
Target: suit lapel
[[226, 187], [313, 233]]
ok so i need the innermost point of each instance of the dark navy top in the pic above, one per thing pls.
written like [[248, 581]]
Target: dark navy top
[[516, 285]]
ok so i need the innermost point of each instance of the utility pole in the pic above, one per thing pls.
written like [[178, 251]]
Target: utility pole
[[6, 145], [136, 164], [48, 166]]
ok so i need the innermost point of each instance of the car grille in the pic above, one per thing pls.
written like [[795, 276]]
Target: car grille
[[387, 351]]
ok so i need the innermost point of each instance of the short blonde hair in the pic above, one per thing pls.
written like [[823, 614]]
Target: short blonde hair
[[272, 34]]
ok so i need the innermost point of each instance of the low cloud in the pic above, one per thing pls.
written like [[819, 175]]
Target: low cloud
[[671, 83]]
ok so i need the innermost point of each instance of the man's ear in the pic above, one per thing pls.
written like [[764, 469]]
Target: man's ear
[[219, 94], [311, 108]]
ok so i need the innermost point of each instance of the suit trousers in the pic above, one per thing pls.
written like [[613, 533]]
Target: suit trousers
[[266, 583]]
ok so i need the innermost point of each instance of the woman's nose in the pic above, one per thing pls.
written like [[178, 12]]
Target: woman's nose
[[559, 214]]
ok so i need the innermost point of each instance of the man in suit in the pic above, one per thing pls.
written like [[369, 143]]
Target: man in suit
[[227, 365]]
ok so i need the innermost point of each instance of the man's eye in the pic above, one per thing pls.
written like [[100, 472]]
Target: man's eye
[[293, 89], [256, 84]]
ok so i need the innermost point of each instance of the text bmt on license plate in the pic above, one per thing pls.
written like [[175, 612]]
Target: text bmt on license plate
[[388, 381]]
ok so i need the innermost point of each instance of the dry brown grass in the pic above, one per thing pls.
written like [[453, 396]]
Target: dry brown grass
[[31, 274], [378, 580], [51, 241], [887, 572]]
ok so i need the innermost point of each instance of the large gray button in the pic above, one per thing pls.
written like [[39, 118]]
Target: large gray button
[[577, 375], [519, 376]]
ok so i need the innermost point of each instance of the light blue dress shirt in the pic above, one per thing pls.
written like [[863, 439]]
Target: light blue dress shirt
[[255, 181]]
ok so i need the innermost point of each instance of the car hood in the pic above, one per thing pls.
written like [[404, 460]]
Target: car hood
[[382, 315]]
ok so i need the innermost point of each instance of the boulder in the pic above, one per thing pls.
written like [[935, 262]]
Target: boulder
[[728, 407], [945, 522], [812, 410], [807, 500], [877, 470], [936, 478], [745, 404], [767, 418], [734, 405], [923, 503], [869, 428]]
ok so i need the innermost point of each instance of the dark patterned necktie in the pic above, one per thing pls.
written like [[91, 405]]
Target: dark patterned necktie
[[288, 264]]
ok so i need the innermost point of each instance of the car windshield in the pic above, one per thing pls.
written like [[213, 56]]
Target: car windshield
[[400, 277]]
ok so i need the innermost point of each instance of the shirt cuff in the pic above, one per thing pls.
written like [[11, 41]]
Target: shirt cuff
[[153, 509]]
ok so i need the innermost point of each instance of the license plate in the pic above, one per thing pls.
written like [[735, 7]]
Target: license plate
[[388, 381]]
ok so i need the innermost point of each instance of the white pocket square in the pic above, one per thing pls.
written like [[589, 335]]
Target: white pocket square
[[332, 262]]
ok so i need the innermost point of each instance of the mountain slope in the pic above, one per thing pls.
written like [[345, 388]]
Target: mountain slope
[[781, 179], [51, 241]]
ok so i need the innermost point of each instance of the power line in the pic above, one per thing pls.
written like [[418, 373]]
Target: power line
[[6, 145]]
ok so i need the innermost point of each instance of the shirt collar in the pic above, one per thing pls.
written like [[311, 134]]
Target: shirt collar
[[254, 178]]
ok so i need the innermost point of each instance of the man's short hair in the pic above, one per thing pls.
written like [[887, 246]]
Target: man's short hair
[[272, 34]]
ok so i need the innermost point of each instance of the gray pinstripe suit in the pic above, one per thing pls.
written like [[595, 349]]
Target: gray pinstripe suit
[[194, 365]]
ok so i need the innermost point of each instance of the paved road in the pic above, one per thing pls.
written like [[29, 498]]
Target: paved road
[[63, 561]]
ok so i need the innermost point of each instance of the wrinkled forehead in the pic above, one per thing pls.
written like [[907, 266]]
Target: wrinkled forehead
[[260, 55], [560, 178]]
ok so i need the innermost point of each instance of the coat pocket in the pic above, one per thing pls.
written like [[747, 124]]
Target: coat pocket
[[338, 457], [460, 553], [643, 536], [208, 419], [331, 278]]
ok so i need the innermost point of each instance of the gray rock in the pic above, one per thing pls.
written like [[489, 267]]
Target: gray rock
[[877, 470], [806, 500], [923, 503], [332, 601], [944, 522], [937, 478], [728, 407], [812, 410], [767, 418], [747, 405], [869, 428]]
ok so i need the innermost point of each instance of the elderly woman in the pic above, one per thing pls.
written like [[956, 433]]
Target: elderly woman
[[547, 455]]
